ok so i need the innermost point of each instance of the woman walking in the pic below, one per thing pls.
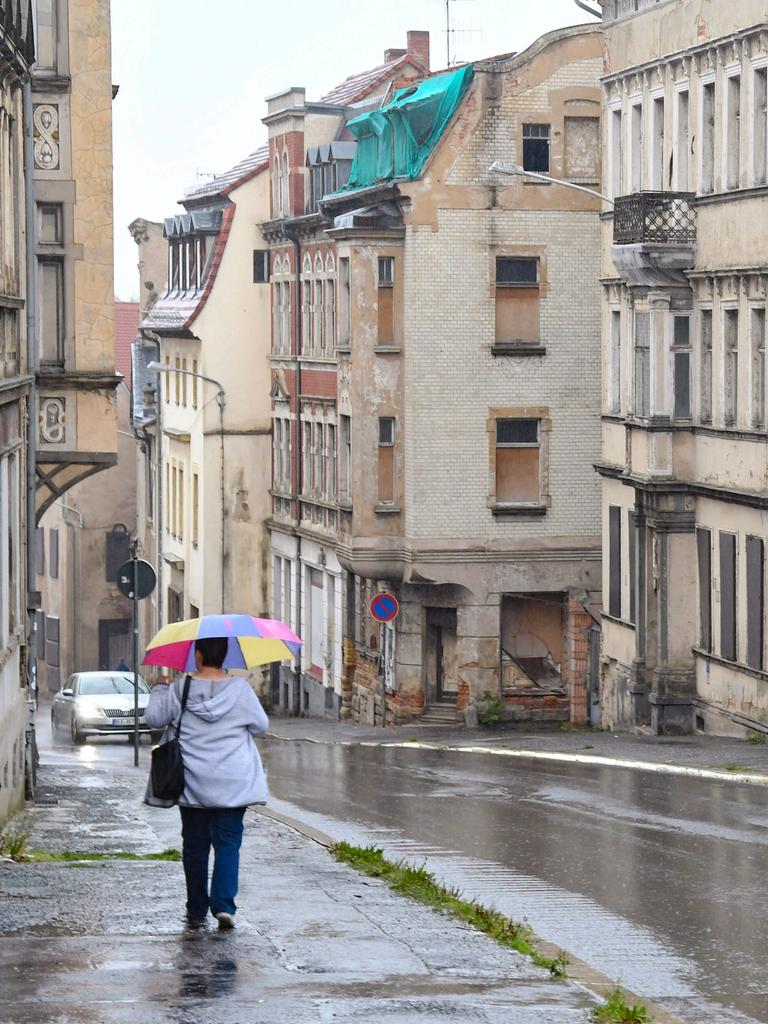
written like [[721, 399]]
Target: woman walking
[[223, 774]]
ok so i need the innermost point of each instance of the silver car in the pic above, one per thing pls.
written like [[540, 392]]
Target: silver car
[[98, 704]]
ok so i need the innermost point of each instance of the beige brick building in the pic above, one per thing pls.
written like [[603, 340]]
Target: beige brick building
[[491, 383], [685, 265], [450, 420]]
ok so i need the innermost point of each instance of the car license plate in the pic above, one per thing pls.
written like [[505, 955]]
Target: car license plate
[[122, 721]]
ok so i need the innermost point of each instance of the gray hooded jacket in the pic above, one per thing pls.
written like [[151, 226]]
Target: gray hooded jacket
[[222, 767]]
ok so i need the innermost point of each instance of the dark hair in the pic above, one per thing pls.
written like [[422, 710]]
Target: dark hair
[[213, 650]]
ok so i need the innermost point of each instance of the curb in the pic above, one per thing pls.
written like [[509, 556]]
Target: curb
[[579, 972], [747, 778]]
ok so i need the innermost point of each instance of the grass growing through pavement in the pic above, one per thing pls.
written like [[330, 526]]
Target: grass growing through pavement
[[15, 845], [615, 1010], [68, 856], [419, 884], [758, 738], [732, 766]]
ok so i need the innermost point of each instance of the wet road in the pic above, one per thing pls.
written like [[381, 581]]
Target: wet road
[[659, 881]]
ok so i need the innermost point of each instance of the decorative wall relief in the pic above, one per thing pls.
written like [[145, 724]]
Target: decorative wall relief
[[45, 120], [53, 420]]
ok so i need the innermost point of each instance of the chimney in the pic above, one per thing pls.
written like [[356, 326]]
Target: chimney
[[390, 55], [418, 46]]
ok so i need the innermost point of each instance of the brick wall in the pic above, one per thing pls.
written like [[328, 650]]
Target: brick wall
[[578, 625]]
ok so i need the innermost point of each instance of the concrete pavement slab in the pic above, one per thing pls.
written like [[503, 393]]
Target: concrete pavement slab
[[105, 941]]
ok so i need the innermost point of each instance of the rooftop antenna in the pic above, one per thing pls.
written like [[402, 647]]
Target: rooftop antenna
[[450, 32]]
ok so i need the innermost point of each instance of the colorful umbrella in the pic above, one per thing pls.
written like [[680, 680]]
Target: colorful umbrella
[[252, 641]]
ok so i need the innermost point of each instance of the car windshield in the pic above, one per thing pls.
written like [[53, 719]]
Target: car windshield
[[91, 685]]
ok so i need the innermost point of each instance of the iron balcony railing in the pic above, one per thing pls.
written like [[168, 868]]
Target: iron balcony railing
[[665, 217]]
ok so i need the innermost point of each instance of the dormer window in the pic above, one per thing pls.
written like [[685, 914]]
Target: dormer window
[[189, 247], [329, 166]]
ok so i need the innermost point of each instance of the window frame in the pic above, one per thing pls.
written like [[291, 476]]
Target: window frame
[[681, 354], [530, 135], [386, 444], [540, 505]]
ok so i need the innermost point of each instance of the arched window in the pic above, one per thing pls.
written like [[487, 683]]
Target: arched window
[[286, 187], [277, 198]]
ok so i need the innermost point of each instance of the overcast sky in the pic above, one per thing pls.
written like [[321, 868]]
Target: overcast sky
[[193, 75]]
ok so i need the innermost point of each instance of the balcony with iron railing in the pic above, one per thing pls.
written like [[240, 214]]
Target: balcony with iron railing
[[654, 237]]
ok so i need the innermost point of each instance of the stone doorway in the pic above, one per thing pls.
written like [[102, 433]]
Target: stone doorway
[[440, 661]]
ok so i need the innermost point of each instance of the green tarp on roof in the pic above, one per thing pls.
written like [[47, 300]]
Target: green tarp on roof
[[397, 140]]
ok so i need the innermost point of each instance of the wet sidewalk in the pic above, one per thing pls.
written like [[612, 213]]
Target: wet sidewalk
[[95, 941], [733, 757]]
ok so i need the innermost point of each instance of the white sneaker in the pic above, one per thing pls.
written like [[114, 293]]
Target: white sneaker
[[226, 921]]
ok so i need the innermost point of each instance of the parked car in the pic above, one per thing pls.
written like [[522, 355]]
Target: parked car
[[99, 704]]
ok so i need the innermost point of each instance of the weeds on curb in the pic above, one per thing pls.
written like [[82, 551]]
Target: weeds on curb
[[732, 766], [490, 710], [13, 845], [615, 1010], [758, 738], [419, 884]]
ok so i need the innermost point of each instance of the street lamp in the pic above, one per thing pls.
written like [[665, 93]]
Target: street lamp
[[220, 399], [520, 172]]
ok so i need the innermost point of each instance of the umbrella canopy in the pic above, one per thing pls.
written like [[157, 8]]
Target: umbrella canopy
[[252, 642]]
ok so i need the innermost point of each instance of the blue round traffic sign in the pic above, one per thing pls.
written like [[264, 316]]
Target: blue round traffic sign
[[384, 607]]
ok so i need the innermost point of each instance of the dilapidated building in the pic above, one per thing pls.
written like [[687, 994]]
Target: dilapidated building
[[436, 386], [684, 465]]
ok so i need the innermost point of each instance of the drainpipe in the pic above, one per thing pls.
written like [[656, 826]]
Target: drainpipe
[[159, 604], [299, 451], [32, 354], [32, 428]]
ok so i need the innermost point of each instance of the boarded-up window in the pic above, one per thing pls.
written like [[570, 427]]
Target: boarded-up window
[[755, 601], [517, 461], [642, 364], [51, 317], [344, 325], [681, 355], [704, 553], [386, 464], [517, 299], [730, 366], [53, 550], [728, 596], [706, 366], [386, 299], [40, 550], [582, 148], [345, 456], [614, 561], [632, 543], [52, 640]]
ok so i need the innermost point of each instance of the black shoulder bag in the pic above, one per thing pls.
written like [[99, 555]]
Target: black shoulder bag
[[167, 769]]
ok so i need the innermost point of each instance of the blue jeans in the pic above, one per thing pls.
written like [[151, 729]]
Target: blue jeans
[[201, 828]]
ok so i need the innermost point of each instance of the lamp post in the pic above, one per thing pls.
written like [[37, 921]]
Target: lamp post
[[517, 171], [220, 399]]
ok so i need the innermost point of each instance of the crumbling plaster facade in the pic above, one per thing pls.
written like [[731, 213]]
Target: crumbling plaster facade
[[684, 467]]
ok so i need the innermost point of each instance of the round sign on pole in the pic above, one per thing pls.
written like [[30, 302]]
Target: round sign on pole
[[146, 579], [384, 607]]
